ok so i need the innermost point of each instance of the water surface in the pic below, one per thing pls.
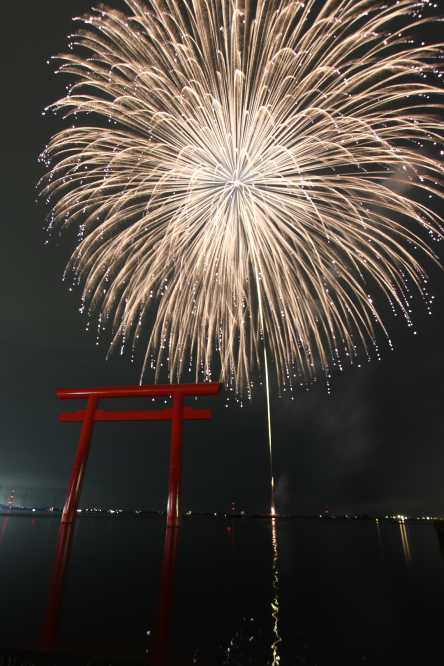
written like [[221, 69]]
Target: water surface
[[239, 591]]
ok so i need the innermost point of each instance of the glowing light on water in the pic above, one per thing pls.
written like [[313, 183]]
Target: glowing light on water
[[275, 657], [405, 541]]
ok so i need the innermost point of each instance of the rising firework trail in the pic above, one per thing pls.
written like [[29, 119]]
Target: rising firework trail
[[247, 176]]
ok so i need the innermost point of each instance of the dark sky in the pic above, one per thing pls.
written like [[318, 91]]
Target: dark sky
[[376, 445]]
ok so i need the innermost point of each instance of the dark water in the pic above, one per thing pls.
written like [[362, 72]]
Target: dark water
[[241, 592]]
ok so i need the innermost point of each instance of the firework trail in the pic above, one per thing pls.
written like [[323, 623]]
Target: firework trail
[[244, 177]]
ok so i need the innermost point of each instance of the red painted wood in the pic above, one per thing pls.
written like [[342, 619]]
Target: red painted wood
[[162, 638], [190, 414], [78, 470], [140, 391], [178, 413], [52, 620], [175, 475]]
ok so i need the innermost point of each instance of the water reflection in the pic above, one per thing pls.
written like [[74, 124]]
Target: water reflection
[[405, 541], [162, 648], [275, 658], [257, 587], [52, 620], [161, 654], [162, 640], [439, 528], [3, 528], [243, 646], [380, 543]]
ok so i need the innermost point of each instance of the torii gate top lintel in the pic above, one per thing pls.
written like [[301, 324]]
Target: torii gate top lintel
[[140, 391]]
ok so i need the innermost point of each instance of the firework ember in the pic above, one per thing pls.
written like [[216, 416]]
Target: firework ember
[[249, 175]]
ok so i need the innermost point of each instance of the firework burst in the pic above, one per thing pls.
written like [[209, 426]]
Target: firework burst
[[245, 175]]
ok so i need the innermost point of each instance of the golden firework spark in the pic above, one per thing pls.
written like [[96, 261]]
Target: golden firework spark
[[249, 174]]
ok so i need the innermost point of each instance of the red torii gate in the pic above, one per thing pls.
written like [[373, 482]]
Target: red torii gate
[[178, 413]]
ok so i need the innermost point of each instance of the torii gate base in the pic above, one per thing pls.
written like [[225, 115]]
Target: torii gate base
[[178, 413]]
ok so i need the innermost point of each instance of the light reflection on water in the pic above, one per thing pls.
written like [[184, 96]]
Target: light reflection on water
[[380, 543], [3, 527], [279, 587], [405, 541], [275, 658]]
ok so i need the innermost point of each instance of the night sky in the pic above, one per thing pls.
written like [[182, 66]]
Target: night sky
[[375, 445]]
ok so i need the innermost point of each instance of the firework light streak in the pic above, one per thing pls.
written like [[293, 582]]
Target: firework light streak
[[244, 176]]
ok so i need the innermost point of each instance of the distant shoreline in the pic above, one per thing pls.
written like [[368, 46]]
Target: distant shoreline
[[146, 513]]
